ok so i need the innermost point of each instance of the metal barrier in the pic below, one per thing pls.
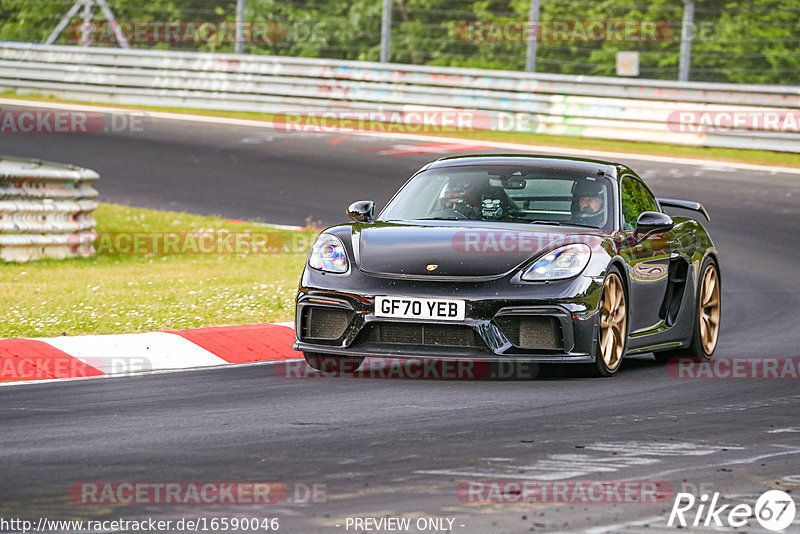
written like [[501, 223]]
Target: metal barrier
[[609, 108], [45, 210]]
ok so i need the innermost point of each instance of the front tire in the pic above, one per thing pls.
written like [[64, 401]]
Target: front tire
[[612, 335], [333, 365], [708, 311]]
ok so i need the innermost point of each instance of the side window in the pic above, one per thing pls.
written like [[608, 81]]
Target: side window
[[635, 200]]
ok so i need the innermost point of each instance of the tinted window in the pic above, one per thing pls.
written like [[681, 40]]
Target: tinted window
[[505, 194], [635, 200]]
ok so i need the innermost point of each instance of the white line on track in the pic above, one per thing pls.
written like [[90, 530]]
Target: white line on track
[[563, 466], [627, 526], [752, 459]]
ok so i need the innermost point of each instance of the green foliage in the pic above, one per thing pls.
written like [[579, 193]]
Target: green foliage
[[739, 41], [346, 30]]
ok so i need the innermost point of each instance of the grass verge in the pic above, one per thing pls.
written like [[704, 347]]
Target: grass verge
[[757, 157], [118, 292]]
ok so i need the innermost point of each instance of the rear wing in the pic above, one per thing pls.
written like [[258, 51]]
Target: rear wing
[[685, 204]]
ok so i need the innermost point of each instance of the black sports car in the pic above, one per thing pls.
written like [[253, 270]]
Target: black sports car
[[515, 258]]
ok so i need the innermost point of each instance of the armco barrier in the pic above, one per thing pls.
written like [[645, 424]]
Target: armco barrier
[[45, 210], [611, 108]]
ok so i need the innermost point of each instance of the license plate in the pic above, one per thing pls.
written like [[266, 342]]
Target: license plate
[[414, 308]]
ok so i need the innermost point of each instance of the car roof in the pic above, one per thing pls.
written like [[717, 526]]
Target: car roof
[[565, 163]]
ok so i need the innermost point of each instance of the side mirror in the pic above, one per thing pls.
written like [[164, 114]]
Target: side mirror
[[361, 211], [649, 221]]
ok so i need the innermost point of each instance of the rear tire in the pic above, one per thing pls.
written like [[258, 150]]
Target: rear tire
[[612, 331], [707, 314], [333, 365]]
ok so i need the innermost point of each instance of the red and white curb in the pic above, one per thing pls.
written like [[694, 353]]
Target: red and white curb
[[71, 357]]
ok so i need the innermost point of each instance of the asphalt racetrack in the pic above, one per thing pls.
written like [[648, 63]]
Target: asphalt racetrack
[[401, 447]]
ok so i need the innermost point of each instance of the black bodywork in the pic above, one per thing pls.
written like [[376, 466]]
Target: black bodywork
[[506, 318]]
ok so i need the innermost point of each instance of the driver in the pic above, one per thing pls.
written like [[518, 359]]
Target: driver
[[589, 204], [462, 196]]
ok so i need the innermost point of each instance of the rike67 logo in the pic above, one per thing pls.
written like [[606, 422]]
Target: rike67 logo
[[774, 510]]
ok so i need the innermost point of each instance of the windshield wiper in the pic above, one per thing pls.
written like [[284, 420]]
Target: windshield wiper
[[441, 219], [584, 225], [559, 223]]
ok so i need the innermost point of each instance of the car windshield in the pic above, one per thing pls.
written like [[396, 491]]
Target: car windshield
[[492, 193]]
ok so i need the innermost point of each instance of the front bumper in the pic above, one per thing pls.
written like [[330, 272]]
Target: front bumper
[[433, 353], [570, 306]]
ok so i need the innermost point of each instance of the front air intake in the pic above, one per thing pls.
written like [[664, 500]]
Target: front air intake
[[324, 323], [532, 332], [422, 334]]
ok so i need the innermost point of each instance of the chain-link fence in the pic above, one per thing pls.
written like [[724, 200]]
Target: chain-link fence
[[753, 41]]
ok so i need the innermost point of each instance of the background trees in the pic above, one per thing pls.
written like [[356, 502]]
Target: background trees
[[738, 41]]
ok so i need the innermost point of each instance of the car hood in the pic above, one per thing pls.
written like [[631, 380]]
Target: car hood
[[435, 250]]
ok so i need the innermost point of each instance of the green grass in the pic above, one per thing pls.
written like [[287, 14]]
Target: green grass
[[759, 157], [114, 293]]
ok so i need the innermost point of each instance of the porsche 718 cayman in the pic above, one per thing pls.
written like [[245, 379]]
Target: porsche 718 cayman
[[513, 258]]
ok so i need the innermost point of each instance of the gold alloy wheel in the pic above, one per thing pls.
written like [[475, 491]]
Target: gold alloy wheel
[[613, 329], [709, 311]]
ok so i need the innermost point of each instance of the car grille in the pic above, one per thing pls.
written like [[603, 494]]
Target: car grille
[[319, 322], [422, 334], [531, 332]]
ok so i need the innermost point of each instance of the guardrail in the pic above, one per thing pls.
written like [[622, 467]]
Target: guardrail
[[45, 210], [610, 108]]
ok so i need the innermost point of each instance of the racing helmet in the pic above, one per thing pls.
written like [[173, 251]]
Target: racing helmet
[[591, 189], [587, 188]]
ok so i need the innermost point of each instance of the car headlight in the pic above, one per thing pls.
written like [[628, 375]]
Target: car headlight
[[328, 255], [563, 262]]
